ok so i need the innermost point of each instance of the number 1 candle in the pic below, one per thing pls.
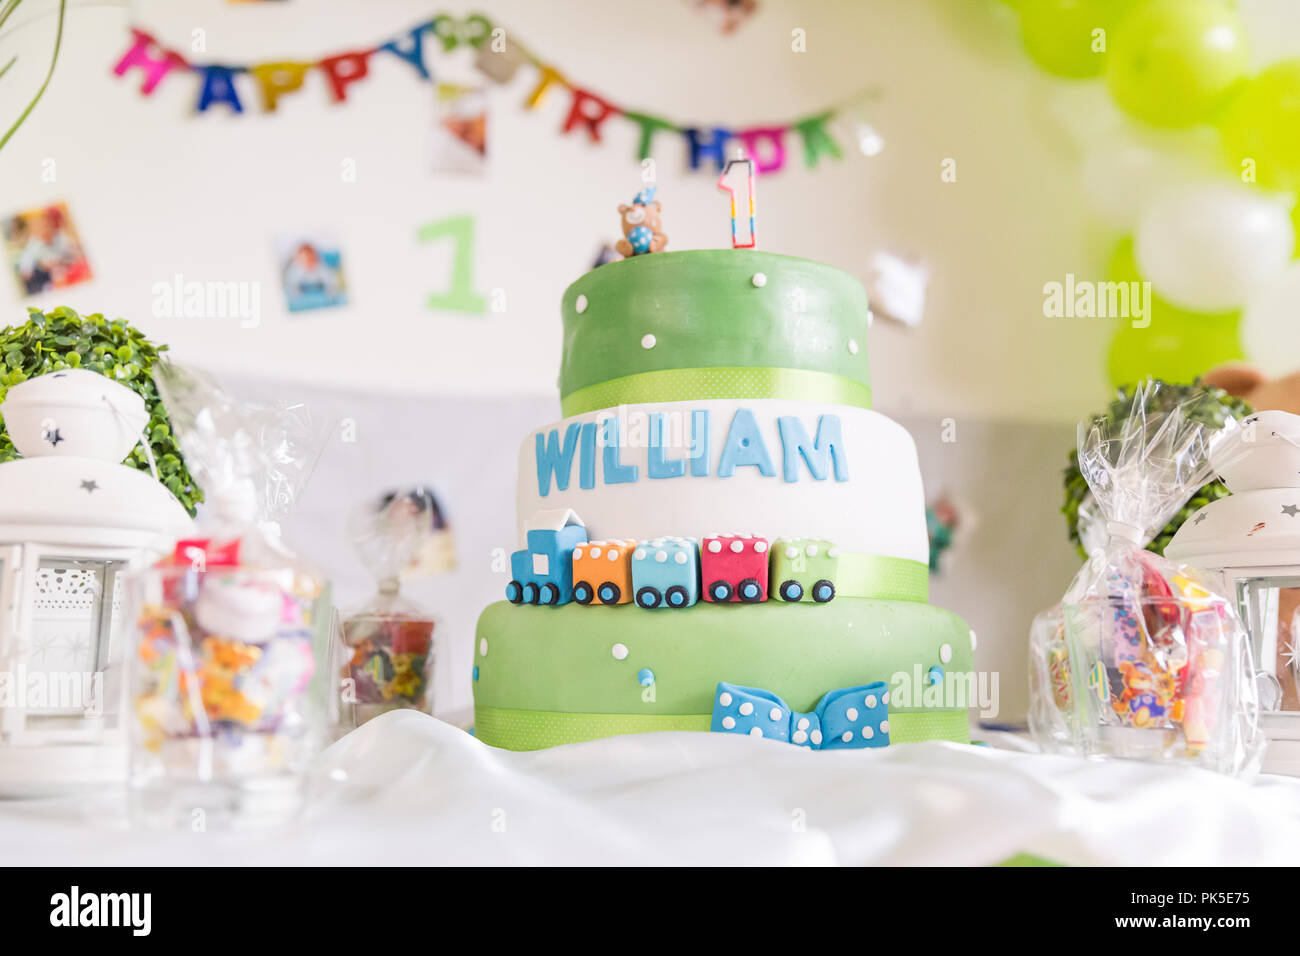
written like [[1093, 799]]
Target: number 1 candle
[[749, 191]]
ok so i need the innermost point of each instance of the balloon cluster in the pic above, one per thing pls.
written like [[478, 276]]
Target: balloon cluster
[[1216, 243]]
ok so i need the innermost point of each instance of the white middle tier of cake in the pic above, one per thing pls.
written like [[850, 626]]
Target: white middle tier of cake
[[771, 467]]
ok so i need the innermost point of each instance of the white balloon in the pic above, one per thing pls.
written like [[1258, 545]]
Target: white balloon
[[1270, 326], [1207, 247]]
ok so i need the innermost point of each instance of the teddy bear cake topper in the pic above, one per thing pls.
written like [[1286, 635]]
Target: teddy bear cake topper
[[642, 232]]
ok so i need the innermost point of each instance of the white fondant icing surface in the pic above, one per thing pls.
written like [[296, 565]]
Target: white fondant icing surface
[[878, 509]]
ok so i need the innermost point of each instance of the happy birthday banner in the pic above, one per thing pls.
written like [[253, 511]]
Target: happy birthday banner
[[499, 61]]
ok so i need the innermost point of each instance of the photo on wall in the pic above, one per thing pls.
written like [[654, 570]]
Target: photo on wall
[[311, 271], [460, 133], [44, 250]]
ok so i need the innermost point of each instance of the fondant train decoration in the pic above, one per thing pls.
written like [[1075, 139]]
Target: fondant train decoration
[[560, 565]]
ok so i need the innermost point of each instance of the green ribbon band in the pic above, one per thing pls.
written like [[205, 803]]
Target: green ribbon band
[[882, 579], [702, 384], [535, 729]]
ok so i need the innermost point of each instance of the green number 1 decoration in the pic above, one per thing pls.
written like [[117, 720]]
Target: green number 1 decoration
[[460, 296]]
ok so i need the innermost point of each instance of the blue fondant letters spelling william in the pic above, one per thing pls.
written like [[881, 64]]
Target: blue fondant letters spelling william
[[552, 459], [829, 444], [744, 446]]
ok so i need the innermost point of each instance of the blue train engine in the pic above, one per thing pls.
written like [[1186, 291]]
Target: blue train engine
[[542, 573]]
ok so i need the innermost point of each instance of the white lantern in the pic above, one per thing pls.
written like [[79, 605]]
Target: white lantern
[[72, 519], [1252, 537]]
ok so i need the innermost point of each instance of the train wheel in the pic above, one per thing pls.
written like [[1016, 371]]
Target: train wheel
[[750, 591], [823, 591], [582, 592], [720, 591], [677, 596], [530, 593], [791, 591], [609, 593], [515, 593], [648, 598], [549, 594]]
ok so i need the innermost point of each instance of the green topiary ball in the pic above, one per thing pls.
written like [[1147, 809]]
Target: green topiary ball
[[61, 339], [1214, 407]]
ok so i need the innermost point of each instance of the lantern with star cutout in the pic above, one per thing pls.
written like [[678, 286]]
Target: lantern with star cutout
[[72, 519], [1252, 537]]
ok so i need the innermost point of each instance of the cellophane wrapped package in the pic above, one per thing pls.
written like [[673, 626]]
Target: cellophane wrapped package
[[1145, 658], [385, 656], [227, 626]]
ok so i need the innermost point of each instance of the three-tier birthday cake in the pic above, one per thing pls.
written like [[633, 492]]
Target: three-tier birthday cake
[[721, 534]]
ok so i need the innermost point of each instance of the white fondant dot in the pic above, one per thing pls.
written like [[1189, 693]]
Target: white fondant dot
[[581, 304], [884, 726], [803, 723], [595, 552], [729, 722], [851, 713], [811, 550], [853, 346], [846, 736], [972, 640], [661, 556], [759, 280], [648, 340], [867, 733], [884, 698], [680, 557], [640, 554], [774, 713], [833, 553], [746, 708], [816, 737], [724, 699], [715, 546], [792, 552], [755, 732], [737, 546], [619, 651], [945, 653], [870, 701], [798, 736], [613, 554], [760, 546], [482, 647]]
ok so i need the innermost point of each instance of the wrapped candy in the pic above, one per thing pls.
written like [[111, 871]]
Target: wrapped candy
[[1145, 657], [385, 658], [228, 624]]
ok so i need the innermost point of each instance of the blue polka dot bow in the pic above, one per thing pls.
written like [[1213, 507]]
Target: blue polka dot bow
[[846, 719], [646, 196]]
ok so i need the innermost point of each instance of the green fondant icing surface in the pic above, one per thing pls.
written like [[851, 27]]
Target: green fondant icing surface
[[705, 312], [533, 730], [559, 662]]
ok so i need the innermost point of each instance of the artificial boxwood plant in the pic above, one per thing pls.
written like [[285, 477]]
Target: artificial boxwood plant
[[1202, 403], [61, 339]]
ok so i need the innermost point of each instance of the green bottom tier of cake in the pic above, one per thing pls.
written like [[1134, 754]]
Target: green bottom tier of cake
[[545, 676]]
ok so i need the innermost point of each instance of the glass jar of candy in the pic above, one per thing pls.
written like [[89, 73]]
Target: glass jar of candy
[[223, 723]]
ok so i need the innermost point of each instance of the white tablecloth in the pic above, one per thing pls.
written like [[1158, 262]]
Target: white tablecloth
[[408, 789]]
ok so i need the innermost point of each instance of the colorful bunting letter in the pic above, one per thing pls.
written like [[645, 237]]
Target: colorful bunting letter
[[548, 78], [713, 148], [590, 111], [649, 126], [765, 146], [154, 65], [816, 141], [219, 87], [412, 51], [276, 79], [343, 69]]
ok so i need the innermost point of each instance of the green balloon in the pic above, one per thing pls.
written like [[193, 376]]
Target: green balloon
[[1172, 62], [1177, 345], [1261, 122], [1059, 34]]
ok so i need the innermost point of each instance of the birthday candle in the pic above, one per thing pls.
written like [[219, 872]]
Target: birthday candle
[[749, 190]]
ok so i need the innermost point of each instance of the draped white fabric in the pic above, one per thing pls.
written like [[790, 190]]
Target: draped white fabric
[[408, 789]]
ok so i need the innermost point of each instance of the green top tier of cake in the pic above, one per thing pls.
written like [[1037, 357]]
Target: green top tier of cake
[[714, 323]]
